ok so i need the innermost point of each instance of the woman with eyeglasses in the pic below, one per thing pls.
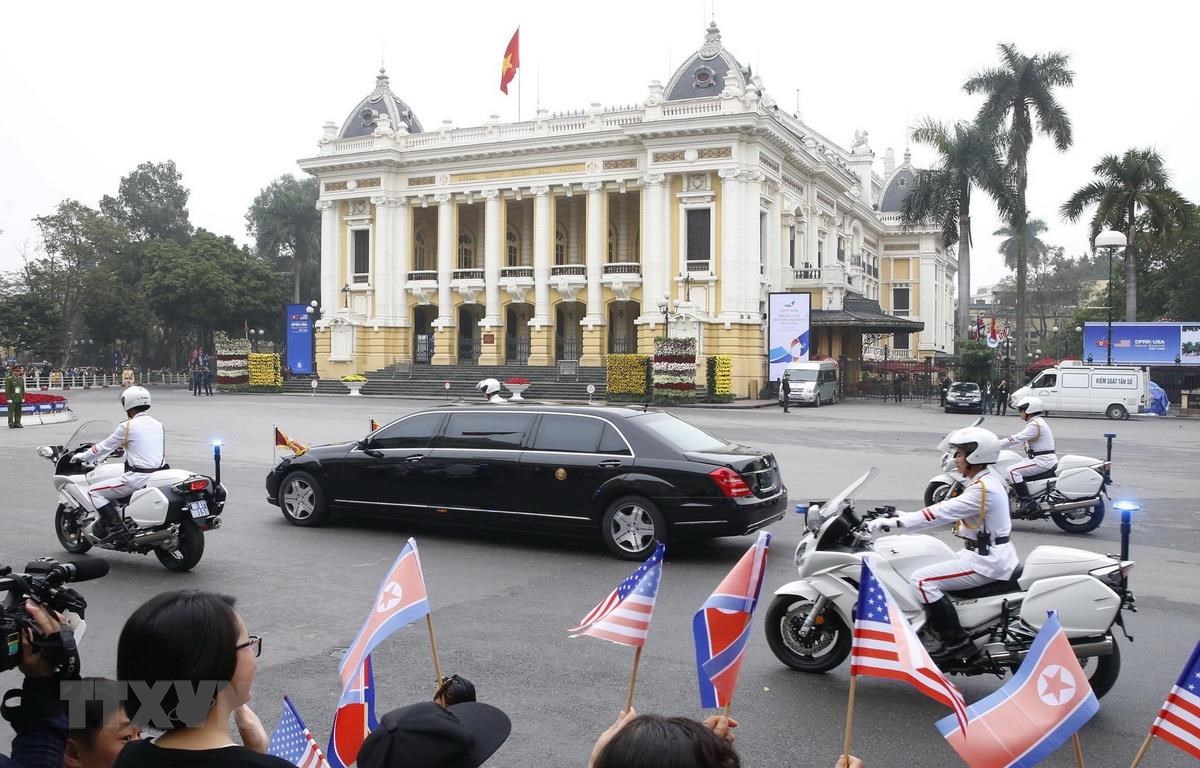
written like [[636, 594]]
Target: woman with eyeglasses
[[190, 664]]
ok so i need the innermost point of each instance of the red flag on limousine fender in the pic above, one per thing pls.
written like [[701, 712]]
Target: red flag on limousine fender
[[283, 441], [374, 425], [511, 62]]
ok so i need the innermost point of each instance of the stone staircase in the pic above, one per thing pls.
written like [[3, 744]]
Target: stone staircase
[[429, 381]]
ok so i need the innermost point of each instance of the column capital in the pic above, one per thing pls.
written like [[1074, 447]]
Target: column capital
[[593, 186], [653, 179], [490, 194], [379, 200], [729, 174], [324, 205], [540, 190], [752, 175], [443, 198]]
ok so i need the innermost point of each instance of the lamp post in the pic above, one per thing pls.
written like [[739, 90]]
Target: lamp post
[[1057, 341], [1079, 330], [664, 306], [313, 310], [1110, 240]]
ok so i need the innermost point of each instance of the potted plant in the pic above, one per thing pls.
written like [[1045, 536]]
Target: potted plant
[[517, 385], [354, 382]]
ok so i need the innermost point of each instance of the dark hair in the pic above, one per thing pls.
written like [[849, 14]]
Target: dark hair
[[654, 741], [97, 708], [183, 635]]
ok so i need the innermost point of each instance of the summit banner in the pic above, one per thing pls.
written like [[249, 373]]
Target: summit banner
[[299, 339], [1143, 343], [788, 329]]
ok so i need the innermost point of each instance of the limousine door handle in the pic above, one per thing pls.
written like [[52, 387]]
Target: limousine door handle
[[414, 459], [609, 463]]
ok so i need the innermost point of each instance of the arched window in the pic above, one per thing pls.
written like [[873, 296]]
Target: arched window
[[419, 250], [560, 244], [612, 242], [513, 247], [466, 249]]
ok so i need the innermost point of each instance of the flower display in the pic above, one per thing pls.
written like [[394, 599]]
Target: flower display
[[355, 377], [233, 367], [517, 380], [627, 377], [35, 398], [264, 371], [719, 376], [674, 370]]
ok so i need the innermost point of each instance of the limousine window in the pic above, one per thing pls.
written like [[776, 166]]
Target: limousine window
[[612, 442], [679, 434], [503, 431], [568, 434], [414, 432]]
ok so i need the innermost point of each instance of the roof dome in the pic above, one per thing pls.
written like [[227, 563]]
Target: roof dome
[[703, 74], [898, 187], [362, 119]]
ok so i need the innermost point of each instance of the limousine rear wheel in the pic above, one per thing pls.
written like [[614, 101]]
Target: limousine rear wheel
[[630, 527], [302, 500]]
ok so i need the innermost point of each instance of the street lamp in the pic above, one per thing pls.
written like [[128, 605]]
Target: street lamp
[[1079, 330], [1111, 241], [313, 310], [664, 306], [1057, 341]]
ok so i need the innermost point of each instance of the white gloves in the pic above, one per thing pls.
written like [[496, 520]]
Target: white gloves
[[881, 526], [84, 456]]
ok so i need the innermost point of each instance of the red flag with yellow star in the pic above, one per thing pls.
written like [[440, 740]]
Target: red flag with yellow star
[[512, 60], [374, 425]]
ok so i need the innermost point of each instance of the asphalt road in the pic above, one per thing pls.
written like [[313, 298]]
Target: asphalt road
[[501, 602]]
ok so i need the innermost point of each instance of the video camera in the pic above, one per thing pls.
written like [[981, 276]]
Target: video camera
[[43, 582]]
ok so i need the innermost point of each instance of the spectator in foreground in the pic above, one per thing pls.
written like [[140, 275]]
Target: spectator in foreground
[[193, 636], [38, 716], [96, 742], [428, 735]]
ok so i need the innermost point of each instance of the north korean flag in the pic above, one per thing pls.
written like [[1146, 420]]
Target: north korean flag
[[354, 719]]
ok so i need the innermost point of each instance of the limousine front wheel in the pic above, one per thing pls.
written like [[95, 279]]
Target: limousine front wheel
[[302, 500], [631, 526]]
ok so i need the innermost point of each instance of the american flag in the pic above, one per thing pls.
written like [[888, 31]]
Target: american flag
[[885, 645], [1178, 721], [292, 740], [624, 616]]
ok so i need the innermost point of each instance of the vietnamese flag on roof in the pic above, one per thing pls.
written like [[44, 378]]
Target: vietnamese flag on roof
[[511, 62]]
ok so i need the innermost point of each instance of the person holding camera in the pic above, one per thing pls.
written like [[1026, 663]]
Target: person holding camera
[[35, 711]]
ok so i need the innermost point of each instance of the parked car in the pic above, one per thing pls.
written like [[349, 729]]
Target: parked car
[[964, 396], [630, 475], [1073, 387]]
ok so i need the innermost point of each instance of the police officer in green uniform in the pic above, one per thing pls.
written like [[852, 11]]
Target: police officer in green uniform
[[14, 390]]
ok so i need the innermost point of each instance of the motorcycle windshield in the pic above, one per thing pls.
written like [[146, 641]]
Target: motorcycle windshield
[[944, 446], [90, 433], [834, 505]]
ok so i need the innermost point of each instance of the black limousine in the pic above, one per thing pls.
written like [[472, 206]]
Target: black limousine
[[632, 475]]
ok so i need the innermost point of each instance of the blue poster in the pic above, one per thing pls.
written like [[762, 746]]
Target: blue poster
[[299, 339], [1137, 343], [787, 330]]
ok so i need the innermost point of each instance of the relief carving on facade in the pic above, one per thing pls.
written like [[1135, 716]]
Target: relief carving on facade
[[714, 153], [335, 186], [616, 165], [675, 155]]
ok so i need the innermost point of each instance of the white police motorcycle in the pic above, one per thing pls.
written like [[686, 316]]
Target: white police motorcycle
[[808, 624], [1071, 494], [168, 516]]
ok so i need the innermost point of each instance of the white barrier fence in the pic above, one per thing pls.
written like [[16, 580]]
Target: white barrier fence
[[36, 381]]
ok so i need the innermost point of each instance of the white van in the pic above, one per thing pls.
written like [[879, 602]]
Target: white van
[[813, 382], [1075, 387]]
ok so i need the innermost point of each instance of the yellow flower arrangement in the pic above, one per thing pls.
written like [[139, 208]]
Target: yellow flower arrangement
[[626, 376], [265, 370]]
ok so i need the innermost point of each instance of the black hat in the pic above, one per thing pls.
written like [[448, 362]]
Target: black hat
[[428, 736]]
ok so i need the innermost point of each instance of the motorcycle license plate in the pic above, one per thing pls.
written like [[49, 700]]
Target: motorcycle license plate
[[198, 509]]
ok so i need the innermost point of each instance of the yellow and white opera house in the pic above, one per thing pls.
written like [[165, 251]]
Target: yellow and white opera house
[[574, 236]]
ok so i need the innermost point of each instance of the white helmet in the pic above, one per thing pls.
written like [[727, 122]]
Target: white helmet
[[135, 397], [1031, 405], [488, 387], [980, 445]]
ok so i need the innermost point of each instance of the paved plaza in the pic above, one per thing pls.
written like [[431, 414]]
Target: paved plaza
[[502, 601]]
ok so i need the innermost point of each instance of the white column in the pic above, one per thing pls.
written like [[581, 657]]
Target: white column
[[654, 256], [731, 240], [596, 248], [753, 262], [382, 269], [526, 235], [574, 235], [493, 250], [622, 227], [402, 251], [330, 253], [775, 243], [542, 254], [447, 239]]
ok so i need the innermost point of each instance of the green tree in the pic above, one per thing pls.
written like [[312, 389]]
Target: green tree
[[286, 227], [1019, 96], [1132, 193], [1035, 249], [967, 157], [151, 203]]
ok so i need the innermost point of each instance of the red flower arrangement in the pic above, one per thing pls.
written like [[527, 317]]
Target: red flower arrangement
[[517, 380], [35, 398]]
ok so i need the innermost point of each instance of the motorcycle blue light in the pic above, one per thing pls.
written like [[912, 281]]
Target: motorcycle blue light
[[217, 443], [1126, 505]]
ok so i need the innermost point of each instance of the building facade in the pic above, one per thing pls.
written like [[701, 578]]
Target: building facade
[[578, 235]]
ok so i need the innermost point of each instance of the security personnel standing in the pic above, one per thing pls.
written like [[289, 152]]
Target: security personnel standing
[[785, 390], [981, 510], [14, 390]]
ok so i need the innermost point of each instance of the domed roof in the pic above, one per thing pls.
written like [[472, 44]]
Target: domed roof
[[362, 119], [703, 74], [898, 187]]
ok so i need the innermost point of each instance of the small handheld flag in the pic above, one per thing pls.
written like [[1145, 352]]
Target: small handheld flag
[[624, 616], [722, 625], [354, 719], [1178, 721], [283, 441], [511, 61], [1032, 714], [401, 601], [292, 741]]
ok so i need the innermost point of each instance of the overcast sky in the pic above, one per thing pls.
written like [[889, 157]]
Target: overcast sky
[[234, 93]]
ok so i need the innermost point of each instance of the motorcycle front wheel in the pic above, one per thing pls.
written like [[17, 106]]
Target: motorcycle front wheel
[[191, 549], [1083, 520], [69, 532], [827, 644], [935, 492]]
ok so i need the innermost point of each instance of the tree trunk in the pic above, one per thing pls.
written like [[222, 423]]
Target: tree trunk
[[964, 276], [1019, 225], [295, 279], [1130, 269]]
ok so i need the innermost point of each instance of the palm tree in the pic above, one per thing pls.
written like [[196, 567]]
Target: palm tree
[[967, 157], [1035, 249], [1016, 94], [1131, 192]]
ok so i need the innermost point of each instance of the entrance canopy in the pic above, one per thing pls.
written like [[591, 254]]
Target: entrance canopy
[[863, 315]]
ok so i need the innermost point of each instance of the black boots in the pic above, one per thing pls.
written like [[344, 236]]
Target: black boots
[[110, 528], [1024, 502], [943, 619]]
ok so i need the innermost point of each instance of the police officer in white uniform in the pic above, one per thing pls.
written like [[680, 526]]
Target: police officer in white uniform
[[145, 444], [1039, 446], [981, 518]]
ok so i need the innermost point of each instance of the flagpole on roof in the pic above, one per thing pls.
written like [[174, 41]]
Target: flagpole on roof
[[849, 718], [637, 657]]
